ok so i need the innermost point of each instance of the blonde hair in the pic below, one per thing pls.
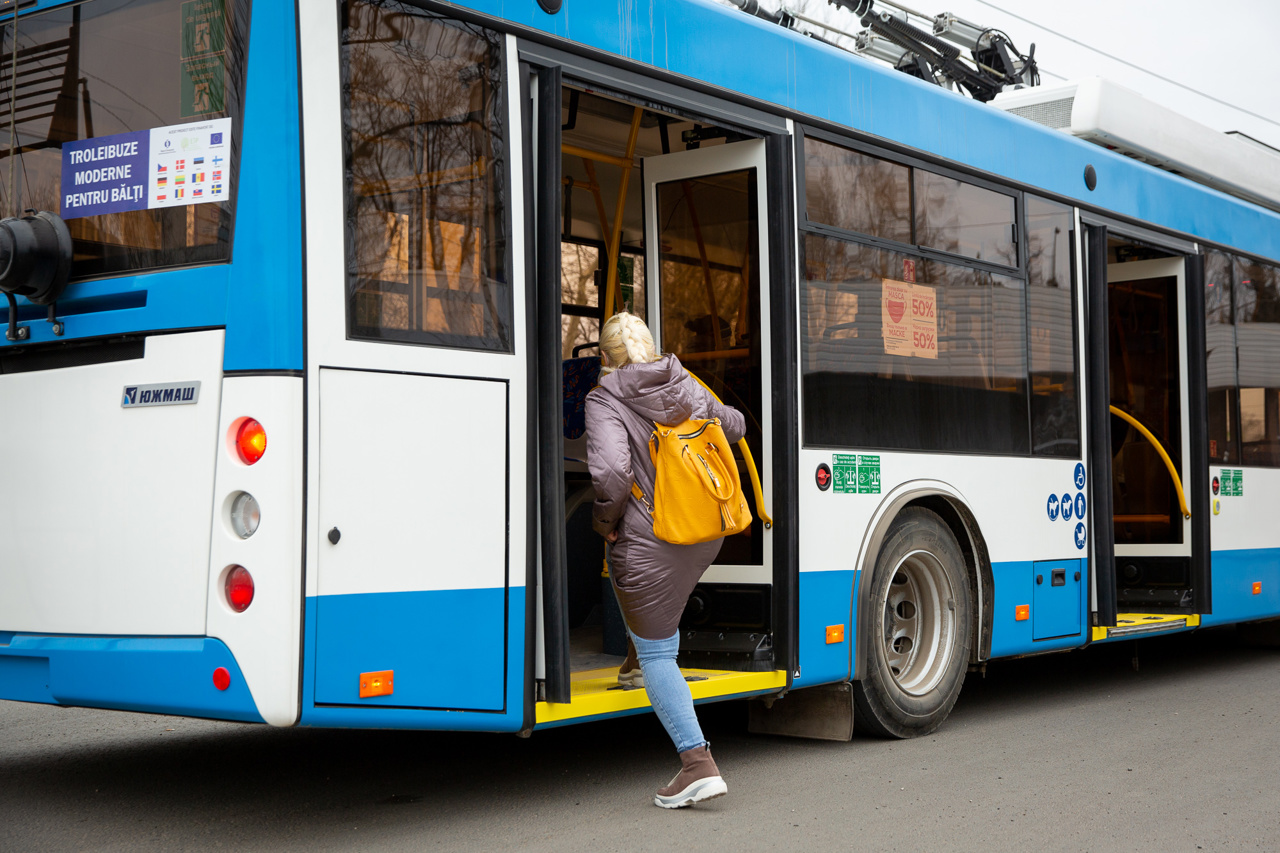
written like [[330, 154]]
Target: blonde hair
[[625, 339]]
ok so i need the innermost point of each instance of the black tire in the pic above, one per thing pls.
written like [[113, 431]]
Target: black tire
[[1262, 635], [919, 630]]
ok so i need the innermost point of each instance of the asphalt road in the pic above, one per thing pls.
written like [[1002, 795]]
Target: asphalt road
[[1064, 752]]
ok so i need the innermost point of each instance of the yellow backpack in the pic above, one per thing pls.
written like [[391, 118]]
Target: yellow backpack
[[697, 494]]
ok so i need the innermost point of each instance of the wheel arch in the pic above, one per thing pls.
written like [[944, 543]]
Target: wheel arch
[[953, 509]]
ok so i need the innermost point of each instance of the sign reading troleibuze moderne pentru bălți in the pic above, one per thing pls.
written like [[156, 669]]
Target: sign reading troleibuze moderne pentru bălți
[[162, 167]]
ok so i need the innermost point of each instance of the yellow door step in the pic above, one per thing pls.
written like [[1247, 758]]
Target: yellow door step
[[1135, 624], [595, 692]]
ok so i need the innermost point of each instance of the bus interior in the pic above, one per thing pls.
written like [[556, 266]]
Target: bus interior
[[702, 303]]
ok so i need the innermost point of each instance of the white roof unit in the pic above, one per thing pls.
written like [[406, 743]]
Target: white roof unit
[[1115, 117]]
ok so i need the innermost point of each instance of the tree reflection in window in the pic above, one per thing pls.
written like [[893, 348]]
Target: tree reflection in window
[[425, 178]]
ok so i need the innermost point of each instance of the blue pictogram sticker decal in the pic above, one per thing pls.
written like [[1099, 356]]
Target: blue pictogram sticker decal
[[1080, 505], [1053, 507], [1080, 536], [1066, 507], [163, 394], [1079, 475]]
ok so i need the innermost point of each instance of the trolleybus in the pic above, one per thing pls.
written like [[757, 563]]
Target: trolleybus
[[300, 439]]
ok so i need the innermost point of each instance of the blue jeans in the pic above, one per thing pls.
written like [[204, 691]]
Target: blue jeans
[[668, 690]]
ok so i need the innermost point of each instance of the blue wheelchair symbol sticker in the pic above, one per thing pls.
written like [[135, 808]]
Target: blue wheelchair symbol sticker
[[1080, 505], [1079, 475], [1080, 536], [1053, 507], [1066, 507]]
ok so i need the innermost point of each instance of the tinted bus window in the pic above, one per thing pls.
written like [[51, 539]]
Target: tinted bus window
[[1055, 424], [1220, 355], [964, 219], [1257, 295], [122, 72], [857, 192], [935, 364], [426, 186]]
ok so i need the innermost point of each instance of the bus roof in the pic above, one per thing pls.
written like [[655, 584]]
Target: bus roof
[[738, 53]]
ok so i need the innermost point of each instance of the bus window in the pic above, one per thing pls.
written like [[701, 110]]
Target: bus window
[[94, 70], [964, 219], [1258, 337], [934, 364], [1055, 424], [426, 180], [857, 192], [1220, 345]]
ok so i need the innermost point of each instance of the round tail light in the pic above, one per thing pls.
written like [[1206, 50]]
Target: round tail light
[[239, 588], [251, 441]]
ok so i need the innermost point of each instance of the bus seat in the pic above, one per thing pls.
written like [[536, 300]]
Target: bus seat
[[580, 376]]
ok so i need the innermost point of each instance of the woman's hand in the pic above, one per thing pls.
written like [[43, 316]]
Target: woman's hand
[[612, 537]]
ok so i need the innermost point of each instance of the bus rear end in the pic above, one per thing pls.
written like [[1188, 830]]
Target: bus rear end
[[151, 417]]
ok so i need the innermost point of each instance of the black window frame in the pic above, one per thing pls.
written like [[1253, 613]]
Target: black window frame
[[1020, 271]]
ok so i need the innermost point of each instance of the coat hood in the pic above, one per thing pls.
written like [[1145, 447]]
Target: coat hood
[[656, 392]]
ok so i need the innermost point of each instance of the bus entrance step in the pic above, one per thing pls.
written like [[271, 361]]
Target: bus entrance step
[[1139, 624], [596, 693]]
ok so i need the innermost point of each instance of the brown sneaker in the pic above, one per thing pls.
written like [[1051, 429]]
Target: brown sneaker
[[630, 675], [698, 780]]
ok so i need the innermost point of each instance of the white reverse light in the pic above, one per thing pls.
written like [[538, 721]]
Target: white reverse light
[[245, 515]]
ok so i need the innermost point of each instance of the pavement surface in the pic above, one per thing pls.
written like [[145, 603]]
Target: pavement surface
[[1076, 751]]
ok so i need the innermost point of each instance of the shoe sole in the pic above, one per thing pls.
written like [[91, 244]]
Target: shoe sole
[[631, 679], [697, 792]]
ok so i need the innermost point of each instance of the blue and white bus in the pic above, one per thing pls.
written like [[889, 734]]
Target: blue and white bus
[[300, 441]]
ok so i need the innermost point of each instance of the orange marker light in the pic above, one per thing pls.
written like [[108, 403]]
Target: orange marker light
[[1022, 613], [1257, 587], [835, 634], [377, 683]]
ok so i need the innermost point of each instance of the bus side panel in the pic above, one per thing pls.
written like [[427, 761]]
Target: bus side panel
[[826, 637], [1246, 545], [160, 675], [510, 719]]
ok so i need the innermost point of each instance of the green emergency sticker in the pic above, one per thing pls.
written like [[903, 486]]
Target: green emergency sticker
[[203, 83], [855, 474], [1233, 483]]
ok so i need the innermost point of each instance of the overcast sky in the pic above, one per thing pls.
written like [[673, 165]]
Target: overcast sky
[[1225, 49]]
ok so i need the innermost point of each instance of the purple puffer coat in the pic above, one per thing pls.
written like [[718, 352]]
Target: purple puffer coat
[[653, 578]]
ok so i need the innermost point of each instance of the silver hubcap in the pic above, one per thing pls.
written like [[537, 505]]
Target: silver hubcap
[[919, 625]]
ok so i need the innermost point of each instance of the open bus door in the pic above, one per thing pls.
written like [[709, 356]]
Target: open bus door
[[1148, 454], [685, 240], [707, 245]]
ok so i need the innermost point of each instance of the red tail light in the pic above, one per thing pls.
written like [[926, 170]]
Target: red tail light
[[239, 588], [251, 441]]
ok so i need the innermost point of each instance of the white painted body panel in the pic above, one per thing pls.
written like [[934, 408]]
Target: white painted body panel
[[414, 483], [106, 519], [265, 638], [1248, 521]]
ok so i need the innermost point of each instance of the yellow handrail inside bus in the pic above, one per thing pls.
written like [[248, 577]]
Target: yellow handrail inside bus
[[1168, 463], [751, 462]]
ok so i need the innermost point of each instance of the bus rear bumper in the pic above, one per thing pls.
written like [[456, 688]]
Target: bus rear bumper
[[157, 675]]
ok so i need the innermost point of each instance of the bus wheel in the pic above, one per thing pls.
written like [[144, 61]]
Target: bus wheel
[[919, 630]]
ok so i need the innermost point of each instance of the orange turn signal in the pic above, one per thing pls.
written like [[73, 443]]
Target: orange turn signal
[[1257, 587], [835, 634], [1022, 613], [377, 683]]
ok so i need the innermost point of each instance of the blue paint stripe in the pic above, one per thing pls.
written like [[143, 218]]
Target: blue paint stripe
[[826, 598], [161, 675], [459, 656]]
